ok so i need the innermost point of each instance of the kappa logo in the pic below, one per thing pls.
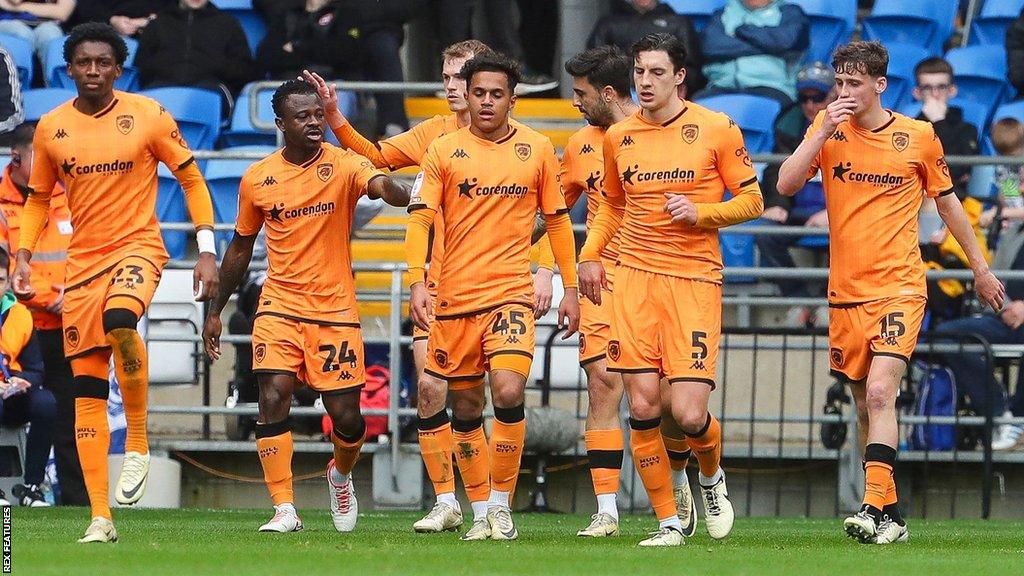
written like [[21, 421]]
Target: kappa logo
[[459, 153], [900, 141], [512, 340], [586, 149], [690, 133], [125, 123], [441, 357], [523, 151], [627, 140], [268, 181], [613, 349], [345, 375], [698, 365], [260, 353], [324, 171], [836, 356], [72, 337], [61, 134], [838, 136]]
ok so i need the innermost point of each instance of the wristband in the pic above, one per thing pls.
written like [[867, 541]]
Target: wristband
[[206, 243]]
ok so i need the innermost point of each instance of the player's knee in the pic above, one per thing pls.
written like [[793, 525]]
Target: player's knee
[[430, 395], [91, 387], [349, 425], [691, 419], [604, 386], [274, 399], [507, 396], [642, 408], [116, 318], [467, 407], [879, 395]]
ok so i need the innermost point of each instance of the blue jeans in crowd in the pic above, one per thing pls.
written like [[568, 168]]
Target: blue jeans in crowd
[[973, 376], [38, 407]]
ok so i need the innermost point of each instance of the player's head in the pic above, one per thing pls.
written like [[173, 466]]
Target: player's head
[[815, 88], [21, 152], [491, 80], [600, 77], [860, 73], [95, 55], [452, 60], [659, 68], [299, 114], [934, 80], [1008, 137]]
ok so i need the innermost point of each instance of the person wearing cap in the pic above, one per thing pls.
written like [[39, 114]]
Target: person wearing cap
[[815, 86]]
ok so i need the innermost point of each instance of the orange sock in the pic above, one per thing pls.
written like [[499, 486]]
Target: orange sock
[[436, 443], [131, 364], [92, 436], [473, 458], [707, 446], [274, 442], [605, 448], [346, 448], [508, 436], [651, 461], [678, 451], [879, 486]]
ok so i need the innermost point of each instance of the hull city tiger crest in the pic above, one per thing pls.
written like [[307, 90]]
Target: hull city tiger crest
[[260, 353], [690, 133], [523, 151], [324, 171], [125, 123], [900, 141], [72, 336], [441, 357], [613, 350]]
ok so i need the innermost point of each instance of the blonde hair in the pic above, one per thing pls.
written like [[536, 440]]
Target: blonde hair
[[465, 49], [1007, 136]]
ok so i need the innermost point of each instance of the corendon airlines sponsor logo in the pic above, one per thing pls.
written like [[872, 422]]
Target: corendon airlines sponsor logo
[[846, 173], [634, 175], [279, 212], [73, 169]]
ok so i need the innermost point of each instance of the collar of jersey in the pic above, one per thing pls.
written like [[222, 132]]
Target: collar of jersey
[[880, 129]]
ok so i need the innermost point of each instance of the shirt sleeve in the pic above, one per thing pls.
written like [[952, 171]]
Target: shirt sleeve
[[550, 191], [737, 172], [934, 170], [41, 181], [360, 171], [407, 148], [429, 186], [250, 217], [166, 141]]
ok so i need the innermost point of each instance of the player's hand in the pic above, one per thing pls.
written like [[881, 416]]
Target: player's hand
[[681, 208], [592, 280], [818, 220], [836, 113], [569, 313], [542, 292], [776, 214], [990, 290], [21, 281], [205, 277], [420, 307], [58, 305], [1013, 314], [328, 95], [211, 336]]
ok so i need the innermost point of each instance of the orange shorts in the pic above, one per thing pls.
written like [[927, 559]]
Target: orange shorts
[[326, 357], [858, 332], [596, 322], [665, 325], [462, 348], [131, 283]]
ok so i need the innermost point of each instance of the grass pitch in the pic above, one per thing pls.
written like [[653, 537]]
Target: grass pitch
[[187, 542]]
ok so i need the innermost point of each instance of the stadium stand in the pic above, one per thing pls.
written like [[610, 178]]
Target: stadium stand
[[832, 23], [901, 73], [170, 208], [698, 11], [252, 24], [989, 26], [21, 51], [197, 112], [42, 100], [926, 23], [755, 116], [55, 68], [974, 113], [980, 74], [241, 132]]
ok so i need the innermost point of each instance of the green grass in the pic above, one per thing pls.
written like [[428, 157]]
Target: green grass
[[186, 542]]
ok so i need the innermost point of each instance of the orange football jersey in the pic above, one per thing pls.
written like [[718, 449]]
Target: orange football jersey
[[487, 194], [409, 147], [699, 153], [307, 211], [583, 173], [108, 165], [875, 182]]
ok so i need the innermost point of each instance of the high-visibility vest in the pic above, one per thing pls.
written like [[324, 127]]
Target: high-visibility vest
[[16, 332], [49, 259]]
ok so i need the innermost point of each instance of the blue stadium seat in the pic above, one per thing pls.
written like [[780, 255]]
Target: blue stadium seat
[[926, 23], [832, 23], [242, 132], [989, 27], [974, 113], [196, 110], [42, 100], [21, 52], [55, 69], [223, 177], [698, 11], [1011, 110], [252, 23], [170, 207], [901, 73], [755, 116], [980, 74]]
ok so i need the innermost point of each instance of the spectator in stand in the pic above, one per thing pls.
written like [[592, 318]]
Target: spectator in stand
[[815, 86], [643, 17], [934, 89], [753, 47], [195, 44], [23, 400], [11, 113], [1008, 140], [1015, 54], [453, 20], [37, 21], [49, 260], [128, 17]]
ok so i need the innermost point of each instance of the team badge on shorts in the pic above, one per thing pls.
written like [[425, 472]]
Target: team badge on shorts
[[836, 356], [583, 343], [125, 123], [324, 171], [900, 141], [523, 151], [441, 357], [613, 349], [72, 337], [690, 133], [260, 353]]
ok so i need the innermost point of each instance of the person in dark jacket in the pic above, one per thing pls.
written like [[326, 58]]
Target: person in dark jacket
[[23, 399], [195, 44], [128, 17], [1015, 54], [11, 112], [934, 89], [642, 17]]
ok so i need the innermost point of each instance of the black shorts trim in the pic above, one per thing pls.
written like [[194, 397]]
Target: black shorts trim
[[845, 305], [635, 370], [842, 376], [892, 355], [309, 320], [559, 212], [70, 357], [593, 359], [419, 338], [452, 378], [517, 352], [945, 193], [340, 392], [491, 308], [274, 372], [90, 278], [707, 381]]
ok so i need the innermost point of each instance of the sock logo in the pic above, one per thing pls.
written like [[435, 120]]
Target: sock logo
[[268, 452], [81, 433], [505, 448], [466, 451], [647, 461], [132, 365]]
